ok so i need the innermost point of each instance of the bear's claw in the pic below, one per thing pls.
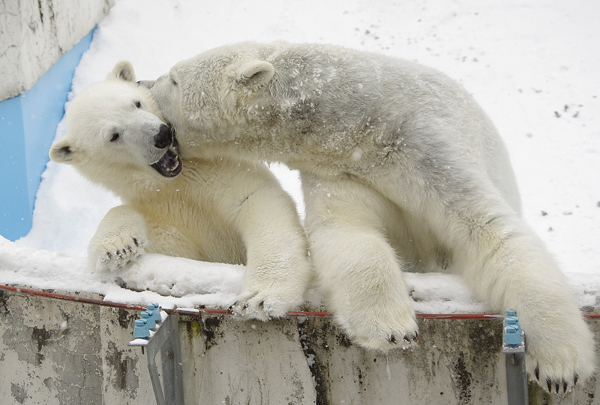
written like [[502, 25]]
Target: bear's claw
[[115, 254], [411, 338], [555, 385], [261, 305]]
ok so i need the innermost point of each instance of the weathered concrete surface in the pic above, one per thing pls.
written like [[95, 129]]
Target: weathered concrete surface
[[455, 362], [61, 352], [35, 33], [64, 352], [48, 354], [245, 362], [125, 378]]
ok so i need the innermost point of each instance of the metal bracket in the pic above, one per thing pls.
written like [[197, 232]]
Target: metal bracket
[[165, 340], [516, 378], [516, 373]]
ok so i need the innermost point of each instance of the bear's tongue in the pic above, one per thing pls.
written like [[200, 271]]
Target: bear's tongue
[[169, 165]]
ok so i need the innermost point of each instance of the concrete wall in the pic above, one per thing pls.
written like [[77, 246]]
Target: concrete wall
[[62, 352], [28, 125], [35, 33], [41, 43]]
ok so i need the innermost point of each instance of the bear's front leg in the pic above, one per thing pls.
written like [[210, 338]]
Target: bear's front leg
[[119, 239], [357, 269], [277, 268]]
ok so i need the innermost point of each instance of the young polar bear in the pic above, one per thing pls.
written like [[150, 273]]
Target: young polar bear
[[201, 207], [401, 170]]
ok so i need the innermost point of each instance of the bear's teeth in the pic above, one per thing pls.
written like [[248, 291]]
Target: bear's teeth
[[175, 166]]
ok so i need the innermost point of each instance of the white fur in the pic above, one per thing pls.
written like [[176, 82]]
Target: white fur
[[401, 170], [216, 209]]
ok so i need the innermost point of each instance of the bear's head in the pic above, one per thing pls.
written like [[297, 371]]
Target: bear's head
[[214, 94], [115, 129]]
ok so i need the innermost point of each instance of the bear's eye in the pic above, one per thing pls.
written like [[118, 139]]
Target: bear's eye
[[138, 104], [114, 137], [173, 82]]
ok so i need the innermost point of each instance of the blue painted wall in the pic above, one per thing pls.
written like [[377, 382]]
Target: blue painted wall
[[27, 128]]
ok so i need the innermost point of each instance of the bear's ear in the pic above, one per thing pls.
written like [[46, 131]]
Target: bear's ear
[[254, 75], [62, 152], [123, 70]]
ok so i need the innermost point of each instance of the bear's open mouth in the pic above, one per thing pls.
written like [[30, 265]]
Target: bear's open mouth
[[169, 165]]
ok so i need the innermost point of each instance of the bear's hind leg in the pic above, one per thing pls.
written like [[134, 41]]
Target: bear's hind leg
[[508, 266]]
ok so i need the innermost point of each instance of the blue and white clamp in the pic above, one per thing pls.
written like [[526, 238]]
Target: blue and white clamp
[[148, 323], [514, 337]]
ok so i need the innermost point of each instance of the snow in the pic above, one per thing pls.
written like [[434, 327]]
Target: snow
[[531, 64]]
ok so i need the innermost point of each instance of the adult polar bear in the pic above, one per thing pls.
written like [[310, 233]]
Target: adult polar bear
[[202, 208], [401, 170]]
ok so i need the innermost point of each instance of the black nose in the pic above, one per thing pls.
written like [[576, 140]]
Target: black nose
[[146, 83], [164, 138]]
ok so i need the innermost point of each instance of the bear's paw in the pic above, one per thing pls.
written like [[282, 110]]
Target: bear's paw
[[385, 336], [392, 328], [558, 362], [263, 305], [116, 253]]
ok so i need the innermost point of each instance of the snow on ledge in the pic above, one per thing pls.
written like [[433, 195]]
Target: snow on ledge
[[178, 282]]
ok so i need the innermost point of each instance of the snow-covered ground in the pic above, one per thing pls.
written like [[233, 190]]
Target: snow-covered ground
[[532, 65]]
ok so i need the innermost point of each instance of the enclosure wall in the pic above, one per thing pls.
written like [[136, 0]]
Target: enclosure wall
[[66, 352], [41, 44]]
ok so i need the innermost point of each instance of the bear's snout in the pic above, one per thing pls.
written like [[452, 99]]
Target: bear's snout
[[164, 138], [146, 83]]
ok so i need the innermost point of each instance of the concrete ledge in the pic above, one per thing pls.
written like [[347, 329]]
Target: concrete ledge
[[66, 352], [36, 33]]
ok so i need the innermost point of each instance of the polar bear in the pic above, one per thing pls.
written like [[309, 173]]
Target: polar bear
[[401, 170], [200, 207]]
